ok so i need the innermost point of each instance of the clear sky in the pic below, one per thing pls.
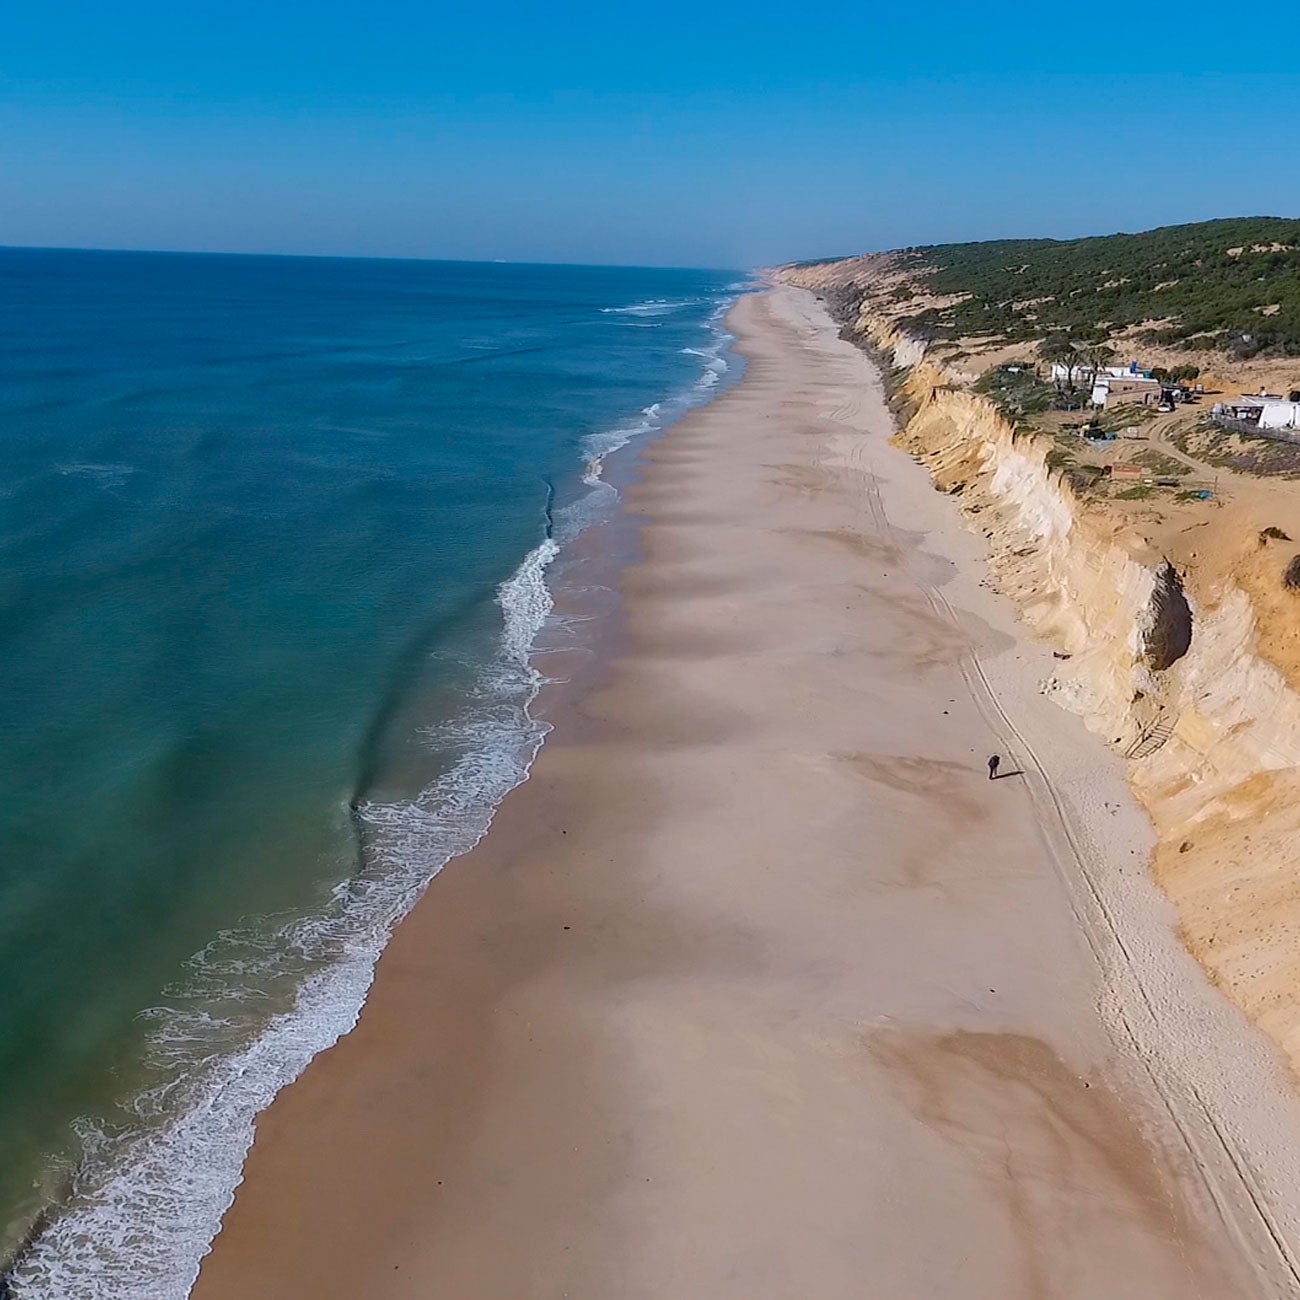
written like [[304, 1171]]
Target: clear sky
[[720, 134]]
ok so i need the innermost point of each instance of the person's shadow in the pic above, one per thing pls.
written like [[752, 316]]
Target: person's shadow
[[1015, 771]]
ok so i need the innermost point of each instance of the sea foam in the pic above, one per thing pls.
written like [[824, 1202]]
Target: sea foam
[[147, 1202], [657, 416], [149, 1196], [650, 307]]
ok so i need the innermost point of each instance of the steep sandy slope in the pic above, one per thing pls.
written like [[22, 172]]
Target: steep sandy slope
[[1177, 646]]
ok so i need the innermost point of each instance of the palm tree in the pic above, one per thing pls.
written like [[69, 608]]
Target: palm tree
[[1057, 349], [1098, 356]]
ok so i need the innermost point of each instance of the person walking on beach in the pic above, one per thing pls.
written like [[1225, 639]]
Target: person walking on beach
[[994, 760]]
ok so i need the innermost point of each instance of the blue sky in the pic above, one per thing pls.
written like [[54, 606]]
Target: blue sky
[[680, 134]]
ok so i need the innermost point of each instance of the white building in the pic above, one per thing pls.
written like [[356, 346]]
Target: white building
[[1264, 411], [1077, 370], [1113, 389]]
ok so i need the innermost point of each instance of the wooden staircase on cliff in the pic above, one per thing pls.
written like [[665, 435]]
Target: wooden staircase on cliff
[[1152, 739]]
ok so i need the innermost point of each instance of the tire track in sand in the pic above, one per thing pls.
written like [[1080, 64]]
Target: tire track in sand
[[1210, 1148]]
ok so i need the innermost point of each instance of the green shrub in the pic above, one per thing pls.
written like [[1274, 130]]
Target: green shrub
[[1084, 290]]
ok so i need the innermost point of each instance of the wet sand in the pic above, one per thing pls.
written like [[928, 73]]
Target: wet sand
[[759, 988]]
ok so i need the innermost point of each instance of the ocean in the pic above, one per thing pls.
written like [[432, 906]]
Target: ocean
[[275, 536]]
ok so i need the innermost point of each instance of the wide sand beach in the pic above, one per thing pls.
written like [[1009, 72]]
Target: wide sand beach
[[759, 988]]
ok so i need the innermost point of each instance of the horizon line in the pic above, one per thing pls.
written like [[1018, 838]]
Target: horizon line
[[365, 257]]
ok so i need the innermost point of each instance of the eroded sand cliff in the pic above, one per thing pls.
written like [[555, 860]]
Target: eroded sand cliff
[[1178, 642]]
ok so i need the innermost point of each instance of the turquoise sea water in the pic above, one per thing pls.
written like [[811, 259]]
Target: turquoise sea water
[[273, 543]]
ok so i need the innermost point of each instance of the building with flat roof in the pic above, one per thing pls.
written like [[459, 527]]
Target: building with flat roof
[[1262, 411], [1114, 390]]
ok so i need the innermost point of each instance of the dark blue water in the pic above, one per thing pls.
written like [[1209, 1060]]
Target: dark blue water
[[273, 543]]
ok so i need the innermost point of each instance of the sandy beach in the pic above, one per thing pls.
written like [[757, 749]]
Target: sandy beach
[[759, 988]]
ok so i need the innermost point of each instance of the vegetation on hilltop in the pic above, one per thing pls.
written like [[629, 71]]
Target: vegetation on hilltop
[[821, 261], [1231, 285]]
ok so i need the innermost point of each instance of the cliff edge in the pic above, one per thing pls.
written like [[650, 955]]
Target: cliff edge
[[1177, 624]]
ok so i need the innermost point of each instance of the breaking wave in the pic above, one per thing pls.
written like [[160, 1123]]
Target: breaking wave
[[260, 1002], [658, 416]]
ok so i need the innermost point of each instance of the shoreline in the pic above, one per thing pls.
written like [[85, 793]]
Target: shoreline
[[140, 1175], [626, 1013]]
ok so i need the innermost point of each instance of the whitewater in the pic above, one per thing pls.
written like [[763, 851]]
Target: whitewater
[[150, 1189]]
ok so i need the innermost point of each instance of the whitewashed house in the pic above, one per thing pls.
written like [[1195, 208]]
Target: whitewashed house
[[1077, 370], [1111, 385], [1115, 392], [1117, 384], [1263, 411], [1074, 373]]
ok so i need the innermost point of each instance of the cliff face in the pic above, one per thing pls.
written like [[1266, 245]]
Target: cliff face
[[1180, 666]]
